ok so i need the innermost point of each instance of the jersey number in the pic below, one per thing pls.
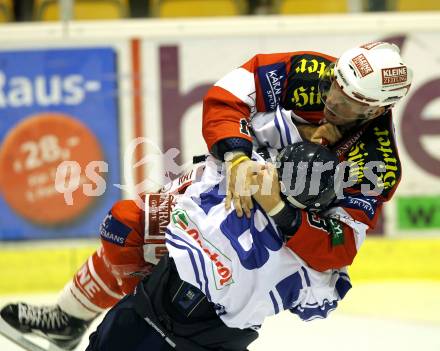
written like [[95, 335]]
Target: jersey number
[[244, 127], [251, 241]]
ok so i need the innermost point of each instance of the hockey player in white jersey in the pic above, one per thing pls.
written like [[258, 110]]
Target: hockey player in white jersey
[[66, 330], [225, 274]]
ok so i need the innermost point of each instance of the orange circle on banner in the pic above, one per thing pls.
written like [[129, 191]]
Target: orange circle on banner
[[29, 157]]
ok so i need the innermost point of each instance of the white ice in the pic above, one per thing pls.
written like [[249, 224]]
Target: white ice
[[373, 317]]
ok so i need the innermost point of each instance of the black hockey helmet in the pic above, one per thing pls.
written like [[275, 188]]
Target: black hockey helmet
[[307, 175]]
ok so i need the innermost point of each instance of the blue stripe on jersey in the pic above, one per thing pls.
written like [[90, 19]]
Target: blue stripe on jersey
[[366, 204], [342, 286], [277, 125], [191, 257], [306, 276], [272, 79], [113, 230], [200, 255], [286, 128], [342, 274], [209, 199], [307, 314], [274, 302], [289, 289]]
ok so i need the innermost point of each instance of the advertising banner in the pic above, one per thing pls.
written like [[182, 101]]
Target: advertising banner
[[418, 212], [57, 107]]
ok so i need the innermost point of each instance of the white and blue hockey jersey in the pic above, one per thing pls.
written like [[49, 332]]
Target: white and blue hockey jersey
[[241, 264]]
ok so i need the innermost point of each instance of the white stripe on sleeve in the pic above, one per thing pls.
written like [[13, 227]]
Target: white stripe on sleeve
[[241, 83]]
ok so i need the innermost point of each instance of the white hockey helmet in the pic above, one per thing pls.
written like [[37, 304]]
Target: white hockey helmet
[[373, 74]]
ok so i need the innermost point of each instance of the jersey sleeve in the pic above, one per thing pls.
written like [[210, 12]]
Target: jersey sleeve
[[324, 243], [331, 240], [229, 104], [122, 236]]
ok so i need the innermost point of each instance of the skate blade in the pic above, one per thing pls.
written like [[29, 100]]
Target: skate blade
[[19, 339]]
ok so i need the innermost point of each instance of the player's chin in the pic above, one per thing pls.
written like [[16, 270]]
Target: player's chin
[[333, 119]]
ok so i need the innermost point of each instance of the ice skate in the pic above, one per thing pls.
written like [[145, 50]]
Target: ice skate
[[63, 331]]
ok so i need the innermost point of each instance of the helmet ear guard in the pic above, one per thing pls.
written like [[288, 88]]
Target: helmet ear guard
[[307, 175]]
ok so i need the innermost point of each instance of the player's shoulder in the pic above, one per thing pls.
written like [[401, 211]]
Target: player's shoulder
[[294, 58], [381, 141], [304, 72], [310, 64], [129, 212], [290, 54], [312, 55], [378, 144]]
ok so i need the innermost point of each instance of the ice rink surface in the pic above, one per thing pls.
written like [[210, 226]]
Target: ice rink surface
[[389, 316]]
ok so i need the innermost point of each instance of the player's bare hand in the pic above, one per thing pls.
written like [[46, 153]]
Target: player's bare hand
[[268, 193], [326, 133], [306, 131], [238, 189]]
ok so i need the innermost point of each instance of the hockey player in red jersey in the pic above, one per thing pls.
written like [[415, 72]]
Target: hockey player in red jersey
[[277, 99], [272, 100]]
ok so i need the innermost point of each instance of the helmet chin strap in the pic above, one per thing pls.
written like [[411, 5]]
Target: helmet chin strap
[[295, 203], [290, 198]]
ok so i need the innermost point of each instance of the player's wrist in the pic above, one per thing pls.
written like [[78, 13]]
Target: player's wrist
[[234, 145], [235, 158], [233, 155]]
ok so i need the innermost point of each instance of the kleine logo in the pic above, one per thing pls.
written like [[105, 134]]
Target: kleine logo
[[394, 75], [362, 65]]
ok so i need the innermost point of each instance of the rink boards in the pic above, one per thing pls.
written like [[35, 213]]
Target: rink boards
[[41, 267]]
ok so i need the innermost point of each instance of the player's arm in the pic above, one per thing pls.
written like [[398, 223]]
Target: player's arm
[[325, 240], [332, 238], [122, 237], [133, 234], [227, 109], [326, 243], [230, 103], [286, 217], [322, 242]]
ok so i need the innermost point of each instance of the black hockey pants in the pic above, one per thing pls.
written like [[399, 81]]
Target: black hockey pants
[[165, 313]]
